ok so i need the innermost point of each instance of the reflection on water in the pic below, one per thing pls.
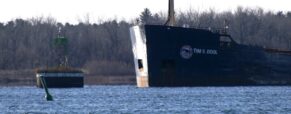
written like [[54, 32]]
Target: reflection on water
[[129, 99]]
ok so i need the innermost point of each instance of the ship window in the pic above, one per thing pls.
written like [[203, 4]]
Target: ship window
[[140, 65]]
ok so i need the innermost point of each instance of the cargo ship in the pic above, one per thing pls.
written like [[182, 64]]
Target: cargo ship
[[171, 56], [61, 75]]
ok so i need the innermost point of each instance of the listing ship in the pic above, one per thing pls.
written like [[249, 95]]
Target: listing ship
[[169, 56], [62, 75]]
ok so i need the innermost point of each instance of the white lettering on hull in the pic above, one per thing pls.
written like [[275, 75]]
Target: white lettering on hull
[[187, 51]]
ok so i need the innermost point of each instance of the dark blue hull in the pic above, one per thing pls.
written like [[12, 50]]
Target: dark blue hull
[[62, 82], [179, 56]]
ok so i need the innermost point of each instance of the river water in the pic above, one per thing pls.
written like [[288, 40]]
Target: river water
[[129, 99]]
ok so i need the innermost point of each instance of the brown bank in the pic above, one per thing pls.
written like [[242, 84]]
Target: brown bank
[[28, 78]]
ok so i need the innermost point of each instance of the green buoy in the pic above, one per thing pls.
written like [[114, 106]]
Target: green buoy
[[48, 96]]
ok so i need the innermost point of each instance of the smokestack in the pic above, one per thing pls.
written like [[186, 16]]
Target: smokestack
[[171, 14]]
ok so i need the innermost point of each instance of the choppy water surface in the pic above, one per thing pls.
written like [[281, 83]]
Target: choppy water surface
[[129, 99]]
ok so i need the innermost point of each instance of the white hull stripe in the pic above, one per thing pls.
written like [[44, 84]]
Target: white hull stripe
[[59, 75]]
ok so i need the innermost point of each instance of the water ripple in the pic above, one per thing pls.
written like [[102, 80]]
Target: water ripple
[[129, 99]]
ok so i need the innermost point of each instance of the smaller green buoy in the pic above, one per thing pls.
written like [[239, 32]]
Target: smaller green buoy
[[48, 96]]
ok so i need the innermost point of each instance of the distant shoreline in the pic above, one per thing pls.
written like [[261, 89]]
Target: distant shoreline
[[28, 78]]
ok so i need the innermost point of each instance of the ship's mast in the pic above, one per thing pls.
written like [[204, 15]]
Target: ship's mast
[[171, 14]]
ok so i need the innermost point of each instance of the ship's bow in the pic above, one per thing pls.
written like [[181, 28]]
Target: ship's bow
[[138, 41]]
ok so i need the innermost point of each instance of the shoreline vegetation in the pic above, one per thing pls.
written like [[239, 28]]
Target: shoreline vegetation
[[59, 69], [103, 50], [28, 78]]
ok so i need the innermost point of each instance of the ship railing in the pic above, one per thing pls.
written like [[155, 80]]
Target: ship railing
[[222, 30]]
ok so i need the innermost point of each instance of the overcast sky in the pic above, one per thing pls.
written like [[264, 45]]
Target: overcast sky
[[74, 10]]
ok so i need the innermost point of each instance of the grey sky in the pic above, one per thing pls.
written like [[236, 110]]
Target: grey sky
[[74, 10]]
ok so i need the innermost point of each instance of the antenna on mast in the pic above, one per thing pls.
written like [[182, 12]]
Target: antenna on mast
[[171, 14]]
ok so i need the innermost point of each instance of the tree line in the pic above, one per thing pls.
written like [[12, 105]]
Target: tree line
[[247, 26], [28, 44], [105, 48]]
